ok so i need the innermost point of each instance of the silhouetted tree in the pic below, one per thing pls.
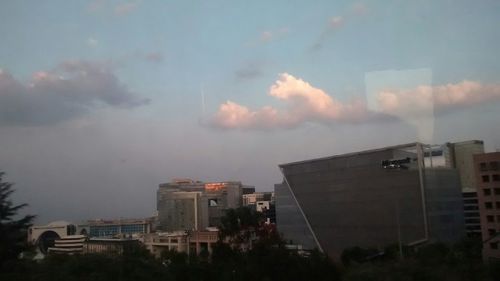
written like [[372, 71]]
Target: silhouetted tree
[[13, 232]]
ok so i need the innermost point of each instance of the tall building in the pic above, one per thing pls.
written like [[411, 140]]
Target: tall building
[[371, 198], [471, 213], [193, 205], [487, 167], [463, 161]]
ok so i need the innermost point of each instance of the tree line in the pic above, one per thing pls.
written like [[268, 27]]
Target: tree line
[[267, 259]]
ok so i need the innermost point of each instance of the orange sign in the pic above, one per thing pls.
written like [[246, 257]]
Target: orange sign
[[215, 186]]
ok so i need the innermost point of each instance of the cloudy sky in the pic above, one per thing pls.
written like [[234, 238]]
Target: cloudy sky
[[100, 101]]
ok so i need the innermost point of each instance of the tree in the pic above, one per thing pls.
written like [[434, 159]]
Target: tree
[[12, 232]]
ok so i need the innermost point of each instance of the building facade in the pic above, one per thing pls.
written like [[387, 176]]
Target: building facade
[[45, 236], [487, 167], [370, 199], [193, 205], [190, 242], [119, 227], [72, 244]]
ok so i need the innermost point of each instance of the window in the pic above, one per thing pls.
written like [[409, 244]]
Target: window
[[487, 192], [486, 178], [496, 177], [488, 205], [470, 201], [490, 218], [494, 245], [494, 166], [482, 166], [491, 232], [497, 205], [497, 190]]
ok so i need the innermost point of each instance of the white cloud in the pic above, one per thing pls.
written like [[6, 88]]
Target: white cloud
[[304, 103], [443, 97]]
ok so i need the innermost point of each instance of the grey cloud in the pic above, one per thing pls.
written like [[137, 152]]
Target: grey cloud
[[249, 71], [70, 90]]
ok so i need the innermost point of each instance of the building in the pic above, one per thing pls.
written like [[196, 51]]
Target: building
[[487, 167], [45, 236], [119, 227], [198, 242], [252, 198], [399, 194], [71, 244], [193, 205], [110, 246], [462, 159], [471, 213], [159, 242]]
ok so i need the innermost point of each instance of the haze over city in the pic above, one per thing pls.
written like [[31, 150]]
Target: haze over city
[[101, 101]]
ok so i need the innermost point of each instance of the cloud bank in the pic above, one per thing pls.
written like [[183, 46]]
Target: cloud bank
[[305, 103], [73, 88]]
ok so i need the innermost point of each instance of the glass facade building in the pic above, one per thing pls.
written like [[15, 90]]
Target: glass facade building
[[369, 199]]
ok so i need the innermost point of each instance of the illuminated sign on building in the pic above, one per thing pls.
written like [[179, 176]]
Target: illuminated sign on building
[[215, 186]]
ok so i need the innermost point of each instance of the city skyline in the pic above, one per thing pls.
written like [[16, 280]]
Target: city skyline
[[101, 101]]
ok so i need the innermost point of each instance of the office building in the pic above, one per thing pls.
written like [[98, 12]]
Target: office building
[[119, 227], [471, 213], [487, 167], [184, 204], [399, 194]]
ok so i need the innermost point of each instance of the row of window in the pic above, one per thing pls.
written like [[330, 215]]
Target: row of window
[[491, 218], [486, 178], [491, 166], [489, 205], [487, 191]]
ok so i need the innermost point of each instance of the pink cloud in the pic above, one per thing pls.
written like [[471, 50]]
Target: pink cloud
[[306, 103], [442, 97]]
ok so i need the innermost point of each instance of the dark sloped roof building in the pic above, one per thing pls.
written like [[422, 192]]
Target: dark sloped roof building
[[370, 199]]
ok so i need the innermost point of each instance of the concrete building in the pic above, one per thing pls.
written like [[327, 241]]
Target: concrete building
[[110, 246], [196, 242], [487, 167], [45, 236], [372, 198], [463, 161], [252, 198], [471, 213], [159, 242], [119, 227], [72, 244], [193, 205]]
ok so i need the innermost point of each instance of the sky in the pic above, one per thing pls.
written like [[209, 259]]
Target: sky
[[101, 101]]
